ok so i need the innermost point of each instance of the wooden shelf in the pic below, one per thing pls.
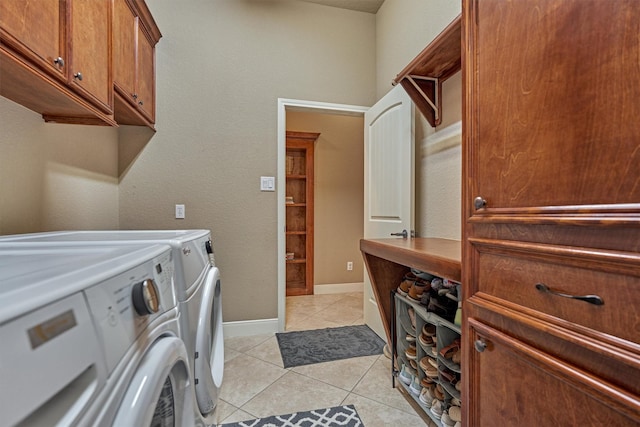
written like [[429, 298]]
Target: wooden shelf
[[422, 78], [388, 260], [296, 261], [296, 177], [294, 205]]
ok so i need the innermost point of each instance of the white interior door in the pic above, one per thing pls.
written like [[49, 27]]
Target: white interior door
[[388, 179]]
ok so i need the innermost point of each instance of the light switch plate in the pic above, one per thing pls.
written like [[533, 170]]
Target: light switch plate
[[179, 211], [267, 183]]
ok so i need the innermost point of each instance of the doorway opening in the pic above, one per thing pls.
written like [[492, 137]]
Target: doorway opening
[[300, 112]]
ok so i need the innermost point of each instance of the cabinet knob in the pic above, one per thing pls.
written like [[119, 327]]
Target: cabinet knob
[[479, 203], [480, 345], [59, 61], [135, 96], [140, 103], [77, 76]]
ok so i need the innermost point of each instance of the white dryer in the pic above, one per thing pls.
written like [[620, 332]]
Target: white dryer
[[84, 329], [198, 291]]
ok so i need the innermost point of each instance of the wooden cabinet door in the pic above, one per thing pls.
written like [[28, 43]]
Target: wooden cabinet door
[[555, 108], [37, 31], [522, 386], [90, 68], [124, 48], [146, 75]]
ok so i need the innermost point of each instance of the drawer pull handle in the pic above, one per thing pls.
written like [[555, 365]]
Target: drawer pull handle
[[591, 299], [480, 345]]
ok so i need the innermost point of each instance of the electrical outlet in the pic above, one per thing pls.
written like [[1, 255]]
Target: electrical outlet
[[349, 266]]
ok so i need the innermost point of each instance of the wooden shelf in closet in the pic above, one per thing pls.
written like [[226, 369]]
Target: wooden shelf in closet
[[299, 214]]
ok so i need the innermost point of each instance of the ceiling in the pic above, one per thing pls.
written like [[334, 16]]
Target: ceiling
[[369, 6]]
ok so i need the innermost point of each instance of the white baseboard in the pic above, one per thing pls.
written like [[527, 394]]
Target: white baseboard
[[245, 328], [338, 288]]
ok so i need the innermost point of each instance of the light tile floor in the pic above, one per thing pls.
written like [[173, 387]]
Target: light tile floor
[[256, 384]]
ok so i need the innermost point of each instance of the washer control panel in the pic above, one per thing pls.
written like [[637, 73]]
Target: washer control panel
[[125, 305]]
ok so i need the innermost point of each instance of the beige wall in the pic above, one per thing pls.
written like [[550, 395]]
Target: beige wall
[[403, 29], [221, 66], [338, 194], [54, 176]]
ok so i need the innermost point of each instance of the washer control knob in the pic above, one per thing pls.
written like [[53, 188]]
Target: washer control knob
[[146, 299], [208, 247]]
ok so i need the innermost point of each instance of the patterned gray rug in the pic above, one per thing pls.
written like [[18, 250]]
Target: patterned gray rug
[[325, 345], [337, 416]]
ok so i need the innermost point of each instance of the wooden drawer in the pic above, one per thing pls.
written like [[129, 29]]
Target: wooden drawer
[[510, 271]]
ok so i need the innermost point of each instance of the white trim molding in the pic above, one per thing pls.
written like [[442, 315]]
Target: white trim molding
[[338, 288], [245, 328], [285, 104]]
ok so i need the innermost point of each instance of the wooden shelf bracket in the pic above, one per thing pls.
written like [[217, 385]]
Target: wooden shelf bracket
[[436, 93]]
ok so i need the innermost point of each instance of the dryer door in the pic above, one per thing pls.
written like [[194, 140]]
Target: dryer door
[[209, 361], [159, 393]]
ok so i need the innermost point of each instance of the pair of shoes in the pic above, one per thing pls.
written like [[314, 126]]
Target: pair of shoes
[[446, 419], [426, 341], [436, 408], [405, 375], [408, 280], [448, 351], [427, 382], [430, 371], [412, 317], [414, 387], [429, 330], [410, 338], [418, 288], [455, 413], [426, 397], [448, 375], [411, 352], [438, 392]]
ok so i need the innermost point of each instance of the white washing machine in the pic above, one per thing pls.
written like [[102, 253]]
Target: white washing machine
[[198, 292], [90, 337]]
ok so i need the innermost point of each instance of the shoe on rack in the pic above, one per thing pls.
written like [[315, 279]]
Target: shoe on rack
[[414, 387], [426, 341], [411, 352], [418, 288], [410, 338], [436, 408], [429, 330], [405, 376], [446, 419], [438, 392], [455, 413], [412, 317], [405, 285], [426, 397]]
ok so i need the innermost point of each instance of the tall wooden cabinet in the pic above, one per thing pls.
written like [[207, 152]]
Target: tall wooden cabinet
[[299, 212], [551, 212]]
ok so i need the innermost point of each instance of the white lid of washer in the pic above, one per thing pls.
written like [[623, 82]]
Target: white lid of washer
[[108, 235], [31, 277]]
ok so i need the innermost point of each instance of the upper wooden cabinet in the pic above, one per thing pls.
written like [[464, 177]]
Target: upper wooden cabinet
[[422, 78], [37, 31], [90, 63], [134, 40], [55, 58]]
